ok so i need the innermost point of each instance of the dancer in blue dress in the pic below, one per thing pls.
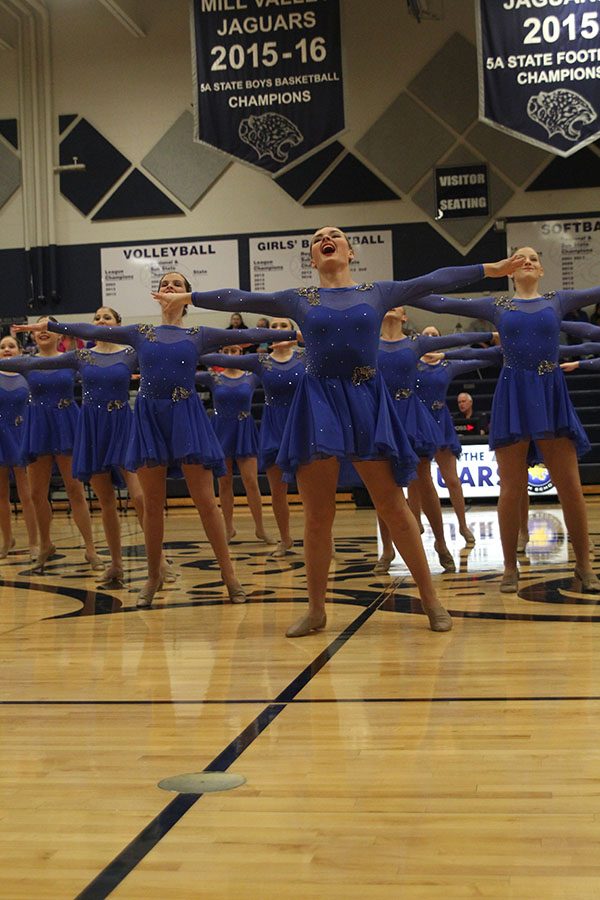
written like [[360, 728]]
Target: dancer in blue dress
[[50, 429], [280, 372], [341, 409], [14, 401], [232, 393], [170, 425], [398, 360], [531, 402], [103, 431]]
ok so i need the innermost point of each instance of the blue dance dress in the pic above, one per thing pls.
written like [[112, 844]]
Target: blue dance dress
[[531, 400], [342, 407], [14, 403], [433, 382], [232, 403], [398, 362], [103, 425], [51, 425], [170, 425], [279, 380]]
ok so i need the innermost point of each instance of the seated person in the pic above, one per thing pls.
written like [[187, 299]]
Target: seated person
[[465, 421]]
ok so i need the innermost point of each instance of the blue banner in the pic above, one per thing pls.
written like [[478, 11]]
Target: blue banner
[[268, 78], [539, 70]]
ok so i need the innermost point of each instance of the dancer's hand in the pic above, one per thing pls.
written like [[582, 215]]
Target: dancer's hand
[[503, 267], [570, 366], [171, 302], [35, 327]]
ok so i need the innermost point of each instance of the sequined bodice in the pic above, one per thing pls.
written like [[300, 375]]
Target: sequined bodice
[[232, 397], [106, 376], [398, 365], [529, 337], [280, 379], [14, 397], [433, 381], [167, 365], [50, 387], [340, 338]]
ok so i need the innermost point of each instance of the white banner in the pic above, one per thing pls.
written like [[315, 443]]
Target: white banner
[[478, 474], [283, 261], [569, 250], [130, 273]]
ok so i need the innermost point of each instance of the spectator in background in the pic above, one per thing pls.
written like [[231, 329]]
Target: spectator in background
[[236, 321], [264, 347], [466, 416]]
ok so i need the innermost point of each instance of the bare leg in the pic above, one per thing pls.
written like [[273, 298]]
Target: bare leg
[[153, 480], [281, 510], [561, 458], [317, 482], [103, 488], [249, 473], [433, 510], [446, 460], [414, 500], [387, 549], [392, 507], [136, 495], [39, 472], [8, 540], [523, 539], [200, 485], [24, 492], [79, 508], [226, 499], [512, 469]]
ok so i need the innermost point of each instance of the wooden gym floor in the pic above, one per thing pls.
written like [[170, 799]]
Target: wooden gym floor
[[382, 760]]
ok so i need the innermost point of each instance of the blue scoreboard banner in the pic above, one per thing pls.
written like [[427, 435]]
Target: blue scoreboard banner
[[539, 70], [268, 78]]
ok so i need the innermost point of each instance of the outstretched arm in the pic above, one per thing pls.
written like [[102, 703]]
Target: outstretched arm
[[414, 291], [30, 363], [278, 303], [589, 349], [571, 300], [249, 362], [460, 367], [213, 338], [582, 330], [488, 355], [117, 334], [426, 343]]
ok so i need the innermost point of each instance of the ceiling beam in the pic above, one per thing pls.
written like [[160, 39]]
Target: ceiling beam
[[126, 12]]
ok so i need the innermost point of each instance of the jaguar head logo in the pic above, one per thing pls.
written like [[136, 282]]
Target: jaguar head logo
[[561, 112], [270, 135]]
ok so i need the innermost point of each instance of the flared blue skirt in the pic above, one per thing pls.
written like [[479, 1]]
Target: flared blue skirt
[[272, 426], [529, 406], [165, 433], [50, 431], [420, 426], [447, 436], [12, 451], [332, 417], [238, 437], [101, 440]]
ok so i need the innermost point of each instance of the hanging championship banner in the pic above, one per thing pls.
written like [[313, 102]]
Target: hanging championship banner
[[267, 77], [539, 71]]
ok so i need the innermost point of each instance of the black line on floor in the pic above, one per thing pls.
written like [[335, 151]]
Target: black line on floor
[[124, 863], [259, 701]]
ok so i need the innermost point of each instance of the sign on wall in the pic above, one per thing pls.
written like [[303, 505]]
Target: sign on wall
[[461, 191], [283, 261], [478, 474], [267, 77], [539, 70], [130, 273], [569, 250]]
